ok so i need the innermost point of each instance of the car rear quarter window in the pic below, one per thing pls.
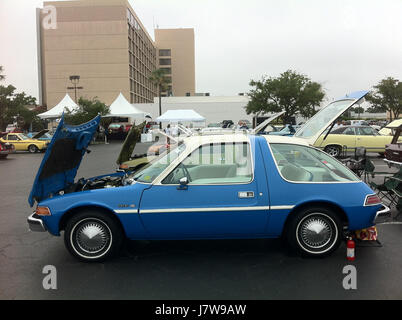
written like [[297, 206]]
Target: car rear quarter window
[[297, 163]]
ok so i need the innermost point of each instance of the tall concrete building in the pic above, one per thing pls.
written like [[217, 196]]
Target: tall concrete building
[[107, 46], [176, 56]]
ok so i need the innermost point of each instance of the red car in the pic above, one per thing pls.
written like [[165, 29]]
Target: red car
[[5, 148], [118, 130]]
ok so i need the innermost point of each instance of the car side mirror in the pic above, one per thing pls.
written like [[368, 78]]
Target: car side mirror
[[183, 184]]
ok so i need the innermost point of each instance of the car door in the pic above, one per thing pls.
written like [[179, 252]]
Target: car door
[[368, 138], [16, 141], [226, 195], [348, 138]]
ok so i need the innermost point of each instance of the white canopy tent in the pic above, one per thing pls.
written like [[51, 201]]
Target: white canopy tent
[[176, 116], [122, 108], [56, 112]]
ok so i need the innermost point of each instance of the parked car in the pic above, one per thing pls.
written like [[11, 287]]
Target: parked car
[[13, 128], [22, 143], [353, 137], [118, 130], [227, 124], [288, 130], [43, 135], [151, 125], [357, 123], [207, 187], [389, 129], [393, 151], [5, 148]]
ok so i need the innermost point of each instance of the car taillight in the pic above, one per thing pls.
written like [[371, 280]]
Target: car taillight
[[372, 200]]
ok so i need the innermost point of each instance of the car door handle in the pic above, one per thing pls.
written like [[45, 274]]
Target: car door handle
[[246, 194]]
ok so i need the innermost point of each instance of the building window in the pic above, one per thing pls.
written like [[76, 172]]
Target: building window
[[167, 70], [165, 52], [165, 62]]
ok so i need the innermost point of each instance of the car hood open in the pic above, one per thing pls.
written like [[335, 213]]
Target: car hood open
[[263, 125], [62, 159], [317, 124], [40, 134]]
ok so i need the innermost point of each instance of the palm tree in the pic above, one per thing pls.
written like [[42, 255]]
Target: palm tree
[[158, 78], [2, 76]]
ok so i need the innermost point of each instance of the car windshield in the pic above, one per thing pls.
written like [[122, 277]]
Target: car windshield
[[152, 170]]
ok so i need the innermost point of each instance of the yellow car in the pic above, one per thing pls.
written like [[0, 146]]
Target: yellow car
[[353, 137], [22, 143], [389, 129]]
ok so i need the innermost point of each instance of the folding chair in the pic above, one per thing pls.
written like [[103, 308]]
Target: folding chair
[[390, 189]]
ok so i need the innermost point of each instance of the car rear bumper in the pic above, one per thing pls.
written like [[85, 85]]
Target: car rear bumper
[[385, 210], [35, 223]]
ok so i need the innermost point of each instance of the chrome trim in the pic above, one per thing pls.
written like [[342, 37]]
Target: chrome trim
[[190, 148], [35, 224], [282, 207], [220, 209], [381, 212], [371, 205], [126, 211]]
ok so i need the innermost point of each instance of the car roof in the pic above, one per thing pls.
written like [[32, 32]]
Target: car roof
[[240, 137]]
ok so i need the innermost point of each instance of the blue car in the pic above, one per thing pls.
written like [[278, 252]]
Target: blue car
[[43, 135], [288, 130], [221, 186]]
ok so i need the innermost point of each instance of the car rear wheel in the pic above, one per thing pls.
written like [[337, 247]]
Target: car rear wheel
[[314, 231], [93, 236], [32, 148], [333, 151]]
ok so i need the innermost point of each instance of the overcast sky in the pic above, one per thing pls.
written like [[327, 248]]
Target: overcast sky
[[346, 45]]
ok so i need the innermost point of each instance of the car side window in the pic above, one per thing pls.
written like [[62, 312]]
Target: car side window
[[12, 137], [222, 163], [366, 131], [304, 164], [349, 131]]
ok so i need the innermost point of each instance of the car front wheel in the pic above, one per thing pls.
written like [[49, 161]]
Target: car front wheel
[[315, 232], [93, 236], [32, 148]]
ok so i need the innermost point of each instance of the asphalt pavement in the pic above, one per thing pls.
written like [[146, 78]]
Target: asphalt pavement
[[216, 269]]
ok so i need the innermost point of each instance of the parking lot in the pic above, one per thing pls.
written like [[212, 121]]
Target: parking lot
[[221, 269]]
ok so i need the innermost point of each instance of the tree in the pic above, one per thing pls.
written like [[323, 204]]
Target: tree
[[159, 78], [290, 92], [13, 107], [2, 76], [88, 109], [387, 97]]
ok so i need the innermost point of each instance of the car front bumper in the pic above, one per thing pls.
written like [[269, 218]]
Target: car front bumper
[[35, 223]]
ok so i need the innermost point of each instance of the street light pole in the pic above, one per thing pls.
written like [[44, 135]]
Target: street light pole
[[75, 80]]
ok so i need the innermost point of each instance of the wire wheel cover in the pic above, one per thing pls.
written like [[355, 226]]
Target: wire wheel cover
[[92, 236], [316, 232]]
